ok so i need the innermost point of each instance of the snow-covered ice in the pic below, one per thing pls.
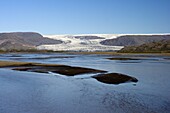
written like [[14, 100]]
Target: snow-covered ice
[[70, 43]]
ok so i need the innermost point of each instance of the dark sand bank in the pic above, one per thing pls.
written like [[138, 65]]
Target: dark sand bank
[[121, 58], [46, 68], [114, 78], [62, 69], [43, 58]]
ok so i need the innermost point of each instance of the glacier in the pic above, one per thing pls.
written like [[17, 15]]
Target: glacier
[[71, 43]]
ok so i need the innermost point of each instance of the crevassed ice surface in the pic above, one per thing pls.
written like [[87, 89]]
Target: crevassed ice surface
[[70, 43]]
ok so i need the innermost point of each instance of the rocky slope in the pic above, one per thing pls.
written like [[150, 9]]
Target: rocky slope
[[160, 46], [131, 40]]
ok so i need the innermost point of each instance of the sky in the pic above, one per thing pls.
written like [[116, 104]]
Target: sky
[[85, 16]]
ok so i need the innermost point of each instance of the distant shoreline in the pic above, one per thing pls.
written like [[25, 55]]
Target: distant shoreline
[[84, 53]]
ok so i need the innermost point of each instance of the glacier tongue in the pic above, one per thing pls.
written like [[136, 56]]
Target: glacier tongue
[[72, 43]]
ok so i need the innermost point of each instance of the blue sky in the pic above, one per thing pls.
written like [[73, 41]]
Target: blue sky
[[85, 16]]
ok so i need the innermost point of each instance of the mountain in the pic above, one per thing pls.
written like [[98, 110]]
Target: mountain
[[160, 46], [9, 45], [23, 40], [83, 42], [131, 40]]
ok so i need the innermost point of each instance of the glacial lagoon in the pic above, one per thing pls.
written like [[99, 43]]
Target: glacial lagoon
[[32, 92]]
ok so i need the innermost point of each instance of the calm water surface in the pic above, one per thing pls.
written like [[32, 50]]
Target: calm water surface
[[28, 92]]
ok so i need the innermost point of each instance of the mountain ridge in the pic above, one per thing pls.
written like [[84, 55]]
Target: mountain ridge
[[132, 40], [152, 47], [81, 42]]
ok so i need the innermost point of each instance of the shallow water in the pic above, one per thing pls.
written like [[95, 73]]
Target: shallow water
[[29, 92]]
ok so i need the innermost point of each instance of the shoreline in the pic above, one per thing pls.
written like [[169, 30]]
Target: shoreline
[[87, 53]]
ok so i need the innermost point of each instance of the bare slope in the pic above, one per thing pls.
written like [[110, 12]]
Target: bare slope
[[23, 40], [130, 40], [160, 46]]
